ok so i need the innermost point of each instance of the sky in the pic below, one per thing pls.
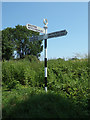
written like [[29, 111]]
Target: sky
[[70, 16]]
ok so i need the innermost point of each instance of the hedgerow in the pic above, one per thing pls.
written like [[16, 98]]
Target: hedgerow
[[69, 78]]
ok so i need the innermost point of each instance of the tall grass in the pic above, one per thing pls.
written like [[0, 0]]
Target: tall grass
[[24, 95]]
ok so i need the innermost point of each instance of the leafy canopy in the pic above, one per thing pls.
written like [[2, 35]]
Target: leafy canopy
[[17, 39]]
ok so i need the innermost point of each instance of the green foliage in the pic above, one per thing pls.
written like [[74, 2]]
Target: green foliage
[[17, 39], [34, 103], [23, 45], [68, 79], [7, 43], [22, 72], [31, 58]]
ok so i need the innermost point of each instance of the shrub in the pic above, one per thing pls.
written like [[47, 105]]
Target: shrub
[[31, 58]]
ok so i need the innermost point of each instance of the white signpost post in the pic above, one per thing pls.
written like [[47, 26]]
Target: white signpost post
[[44, 37]]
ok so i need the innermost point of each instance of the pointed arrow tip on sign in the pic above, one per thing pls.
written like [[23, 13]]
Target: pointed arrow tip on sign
[[66, 31]]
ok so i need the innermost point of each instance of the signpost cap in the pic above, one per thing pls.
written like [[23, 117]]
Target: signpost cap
[[45, 21]]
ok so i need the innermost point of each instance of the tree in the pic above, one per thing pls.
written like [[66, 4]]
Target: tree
[[7, 43], [36, 48], [22, 43], [17, 39]]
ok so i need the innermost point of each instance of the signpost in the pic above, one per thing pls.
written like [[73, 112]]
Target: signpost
[[45, 58], [57, 34], [36, 38], [35, 28], [44, 37], [49, 35]]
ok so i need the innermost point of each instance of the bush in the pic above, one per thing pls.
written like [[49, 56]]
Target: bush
[[31, 58], [69, 78], [21, 72], [60, 72]]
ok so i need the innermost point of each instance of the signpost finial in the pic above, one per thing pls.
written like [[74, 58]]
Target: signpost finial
[[45, 21]]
